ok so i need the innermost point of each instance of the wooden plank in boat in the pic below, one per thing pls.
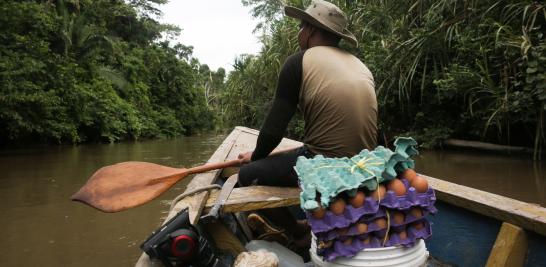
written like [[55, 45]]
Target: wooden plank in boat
[[257, 197], [528, 216], [510, 247], [197, 201]]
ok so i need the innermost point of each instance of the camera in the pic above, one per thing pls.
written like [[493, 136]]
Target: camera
[[178, 243]]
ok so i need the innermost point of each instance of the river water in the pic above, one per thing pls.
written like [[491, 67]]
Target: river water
[[40, 226]]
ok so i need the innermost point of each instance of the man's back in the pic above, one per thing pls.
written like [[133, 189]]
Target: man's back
[[337, 98]]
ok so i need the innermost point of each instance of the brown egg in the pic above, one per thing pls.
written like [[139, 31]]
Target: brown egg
[[358, 200], [319, 212], [418, 225], [420, 184], [366, 241], [379, 193], [416, 212], [398, 217], [342, 231], [362, 228], [338, 206], [403, 235], [348, 241], [325, 244], [397, 187], [381, 223], [408, 174]]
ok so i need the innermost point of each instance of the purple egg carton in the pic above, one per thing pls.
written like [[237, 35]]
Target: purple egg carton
[[352, 229], [412, 235], [408, 217], [341, 249], [349, 216], [410, 199], [369, 219]]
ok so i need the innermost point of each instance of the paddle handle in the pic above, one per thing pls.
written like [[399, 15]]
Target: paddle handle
[[231, 163], [211, 166], [214, 166]]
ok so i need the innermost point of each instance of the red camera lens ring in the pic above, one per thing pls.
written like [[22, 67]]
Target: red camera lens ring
[[190, 245]]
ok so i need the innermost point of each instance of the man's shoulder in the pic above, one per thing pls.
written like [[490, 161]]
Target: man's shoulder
[[328, 50], [293, 62], [298, 56]]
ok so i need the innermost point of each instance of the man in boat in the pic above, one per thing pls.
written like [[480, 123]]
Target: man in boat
[[335, 92]]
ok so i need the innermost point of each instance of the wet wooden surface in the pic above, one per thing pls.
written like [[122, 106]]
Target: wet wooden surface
[[525, 215], [257, 197], [510, 247]]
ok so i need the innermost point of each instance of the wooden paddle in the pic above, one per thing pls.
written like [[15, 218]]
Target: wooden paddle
[[129, 184]]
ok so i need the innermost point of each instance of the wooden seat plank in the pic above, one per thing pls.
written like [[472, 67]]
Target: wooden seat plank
[[257, 197]]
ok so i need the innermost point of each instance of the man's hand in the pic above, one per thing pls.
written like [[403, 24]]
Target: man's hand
[[246, 156]]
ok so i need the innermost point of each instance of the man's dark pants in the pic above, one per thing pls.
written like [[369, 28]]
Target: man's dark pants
[[277, 170]]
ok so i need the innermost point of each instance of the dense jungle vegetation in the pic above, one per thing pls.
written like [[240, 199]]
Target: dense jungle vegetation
[[469, 69], [83, 70]]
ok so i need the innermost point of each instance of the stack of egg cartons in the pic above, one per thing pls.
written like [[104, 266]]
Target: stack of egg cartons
[[381, 202]]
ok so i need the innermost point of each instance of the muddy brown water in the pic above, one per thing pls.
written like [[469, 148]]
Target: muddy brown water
[[41, 227]]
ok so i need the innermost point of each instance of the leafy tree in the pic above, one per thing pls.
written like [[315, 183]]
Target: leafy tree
[[76, 71]]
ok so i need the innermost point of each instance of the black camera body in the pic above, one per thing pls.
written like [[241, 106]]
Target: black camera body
[[178, 243]]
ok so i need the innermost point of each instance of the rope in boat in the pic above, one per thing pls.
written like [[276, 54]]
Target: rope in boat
[[193, 192]]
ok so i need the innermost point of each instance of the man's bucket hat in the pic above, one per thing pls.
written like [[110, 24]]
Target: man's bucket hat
[[324, 15]]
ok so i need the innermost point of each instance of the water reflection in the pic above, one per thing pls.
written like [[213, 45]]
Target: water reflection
[[41, 227], [513, 176]]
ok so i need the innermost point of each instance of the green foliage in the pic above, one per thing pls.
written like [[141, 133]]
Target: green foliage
[[251, 86], [77, 71], [467, 69]]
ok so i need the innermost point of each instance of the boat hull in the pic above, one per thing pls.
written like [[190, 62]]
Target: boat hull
[[471, 228]]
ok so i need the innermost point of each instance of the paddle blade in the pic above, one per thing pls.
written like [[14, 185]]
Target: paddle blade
[[125, 185]]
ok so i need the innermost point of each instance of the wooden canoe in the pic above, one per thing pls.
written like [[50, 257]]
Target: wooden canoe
[[472, 227]]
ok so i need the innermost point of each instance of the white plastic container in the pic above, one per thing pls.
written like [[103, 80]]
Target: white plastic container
[[379, 257]]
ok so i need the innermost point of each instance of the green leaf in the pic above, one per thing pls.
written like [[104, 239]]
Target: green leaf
[[531, 70]]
